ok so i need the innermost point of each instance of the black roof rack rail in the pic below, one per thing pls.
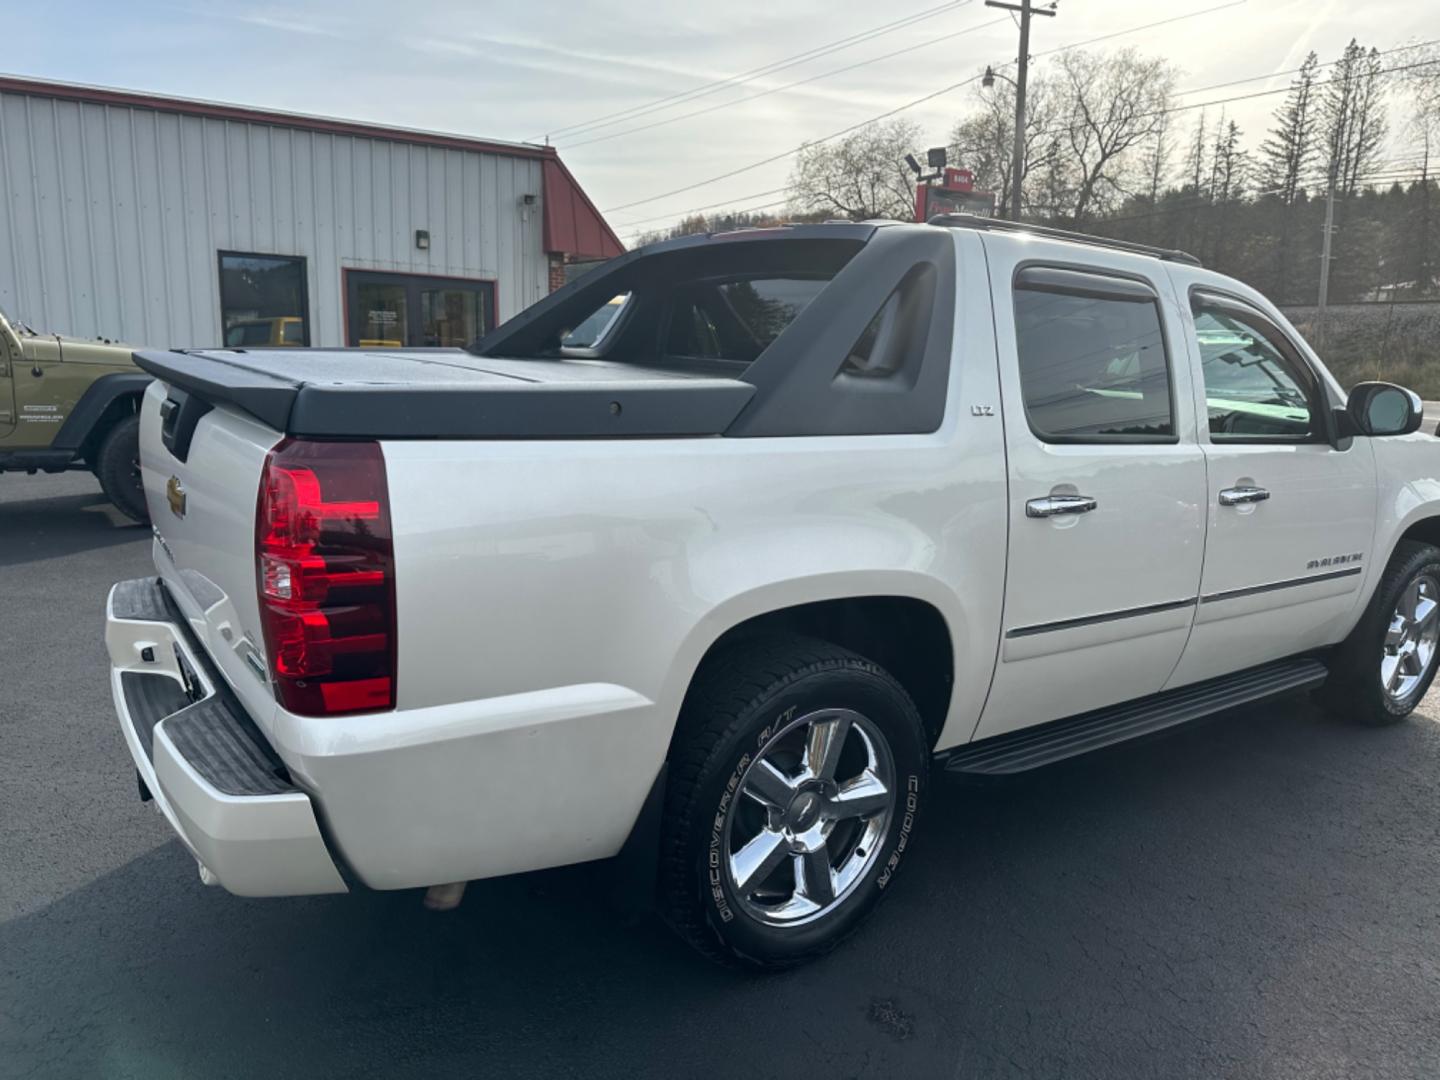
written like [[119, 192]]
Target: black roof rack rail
[[989, 224]]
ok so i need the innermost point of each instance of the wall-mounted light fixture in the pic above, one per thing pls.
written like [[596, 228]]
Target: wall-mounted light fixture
[[422, 239]]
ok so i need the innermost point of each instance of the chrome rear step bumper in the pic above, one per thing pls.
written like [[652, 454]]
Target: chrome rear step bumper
[[211, 772]]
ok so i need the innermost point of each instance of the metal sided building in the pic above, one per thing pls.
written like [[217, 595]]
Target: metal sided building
[[169, 223]]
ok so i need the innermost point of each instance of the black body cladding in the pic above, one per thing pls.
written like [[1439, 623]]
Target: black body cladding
[[94, 403], [892, 287]]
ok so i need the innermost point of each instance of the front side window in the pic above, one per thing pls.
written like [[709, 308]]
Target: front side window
[[1253, 390], [736, 320], [1093, 366], [263, 300]]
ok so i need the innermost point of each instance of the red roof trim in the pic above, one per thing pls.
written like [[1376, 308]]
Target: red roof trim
[[572, 225], [215, 110]]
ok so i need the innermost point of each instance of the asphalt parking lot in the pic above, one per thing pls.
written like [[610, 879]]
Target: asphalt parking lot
[[1252, 897]]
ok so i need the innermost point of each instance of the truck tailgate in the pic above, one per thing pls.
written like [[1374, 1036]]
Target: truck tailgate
[[202, 504]]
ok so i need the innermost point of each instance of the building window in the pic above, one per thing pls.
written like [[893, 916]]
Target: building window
[[263, 300], [397, 310]]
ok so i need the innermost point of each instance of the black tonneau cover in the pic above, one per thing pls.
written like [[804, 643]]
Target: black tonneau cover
[[868, 355], [450, 394]]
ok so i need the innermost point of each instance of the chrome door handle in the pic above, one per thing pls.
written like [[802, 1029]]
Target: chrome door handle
[[1052, 505], [1237, 495]]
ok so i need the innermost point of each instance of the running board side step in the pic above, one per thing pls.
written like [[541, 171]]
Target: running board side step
[[1031, 748]]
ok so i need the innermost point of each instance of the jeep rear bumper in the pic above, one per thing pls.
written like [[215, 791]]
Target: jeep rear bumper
[[211, 772]]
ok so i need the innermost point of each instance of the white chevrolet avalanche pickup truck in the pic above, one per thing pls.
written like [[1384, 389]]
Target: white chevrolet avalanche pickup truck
[[722, 580]]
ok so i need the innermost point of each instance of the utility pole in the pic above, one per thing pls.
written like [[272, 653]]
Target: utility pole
[[1017, 163], [1325, 265]]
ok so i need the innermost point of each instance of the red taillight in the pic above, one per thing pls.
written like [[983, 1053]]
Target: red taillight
[[325, 566]]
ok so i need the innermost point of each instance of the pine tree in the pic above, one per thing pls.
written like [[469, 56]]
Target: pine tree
[[1227, 183], [1195, 159], [1354, 125], [1287, 154], [1353, 118], [1290, 146]]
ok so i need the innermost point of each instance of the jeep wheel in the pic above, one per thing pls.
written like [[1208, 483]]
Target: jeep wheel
[[793, 790], [117, 467], [1389, 660]]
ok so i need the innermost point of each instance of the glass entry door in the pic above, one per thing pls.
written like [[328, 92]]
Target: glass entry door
[[398, 310]]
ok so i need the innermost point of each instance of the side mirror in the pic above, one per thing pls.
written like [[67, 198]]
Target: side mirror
[[1377, 408]]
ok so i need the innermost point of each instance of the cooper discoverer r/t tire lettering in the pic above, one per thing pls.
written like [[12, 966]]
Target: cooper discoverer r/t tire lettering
[[795, 784]]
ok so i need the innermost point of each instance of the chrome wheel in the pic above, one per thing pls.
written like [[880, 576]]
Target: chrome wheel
[[1411, 638], [811, 816]]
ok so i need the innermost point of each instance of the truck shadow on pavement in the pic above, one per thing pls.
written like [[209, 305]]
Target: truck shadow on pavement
[[35, 529], [1249, 897]]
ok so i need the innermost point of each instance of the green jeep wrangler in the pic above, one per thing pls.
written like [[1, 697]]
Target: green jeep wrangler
[[72, 404]]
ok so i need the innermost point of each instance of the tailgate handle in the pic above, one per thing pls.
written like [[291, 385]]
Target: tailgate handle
[[179, 413]]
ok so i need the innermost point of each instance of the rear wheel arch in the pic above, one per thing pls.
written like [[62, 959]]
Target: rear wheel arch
[[906, 636]]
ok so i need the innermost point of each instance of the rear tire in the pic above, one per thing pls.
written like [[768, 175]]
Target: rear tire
[[117, 467], [794, 786], [1388, 662]]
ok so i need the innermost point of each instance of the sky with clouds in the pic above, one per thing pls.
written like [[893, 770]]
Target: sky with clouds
[[521, 71]]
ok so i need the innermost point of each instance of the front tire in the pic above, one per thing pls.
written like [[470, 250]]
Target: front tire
[[117, 467], [1389, 660], [794, 787]]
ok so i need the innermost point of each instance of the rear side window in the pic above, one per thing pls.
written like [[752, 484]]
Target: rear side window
[[1093, 363], [596, 325], [735, 319]]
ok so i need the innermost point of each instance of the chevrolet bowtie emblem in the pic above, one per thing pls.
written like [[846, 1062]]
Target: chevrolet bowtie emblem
[[175, 494]]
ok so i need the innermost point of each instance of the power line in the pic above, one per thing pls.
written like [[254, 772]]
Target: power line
[[788, 86], [1066, 130], [1394, 170], [796, 150], [1292, 71], [705, 89], [1187, 203], [908, 105], [699, 209], [1072, 129], [1388, 172], [1020, 82]]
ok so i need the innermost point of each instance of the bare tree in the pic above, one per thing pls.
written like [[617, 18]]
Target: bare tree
[[861, 176], [1158, 152], [1116, 102], [984, 141]]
